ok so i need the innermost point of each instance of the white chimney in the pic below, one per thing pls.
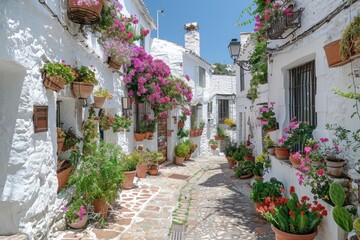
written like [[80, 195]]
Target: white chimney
[[192, 37]]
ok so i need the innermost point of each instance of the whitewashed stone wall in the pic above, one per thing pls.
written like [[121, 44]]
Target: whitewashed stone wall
[[28, 183], [192, 37]]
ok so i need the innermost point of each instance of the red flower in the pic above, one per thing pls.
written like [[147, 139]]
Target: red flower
[[302, 213], [292, 190], [291, 213], [282, 189], [298, 205], [324, 212], [304, 199], [316, 202], [320, 172]]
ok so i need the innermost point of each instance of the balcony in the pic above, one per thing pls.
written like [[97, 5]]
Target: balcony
[[283, 23]]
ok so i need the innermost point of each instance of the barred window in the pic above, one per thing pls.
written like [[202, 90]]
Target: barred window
[[302, 91], [242, 80], [223, 110], [202, 82]]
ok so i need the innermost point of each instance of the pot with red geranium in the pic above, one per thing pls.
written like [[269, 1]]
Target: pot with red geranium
[[293, 218], [213, 144], [84, 83], [267, 118], [244, 169], [262, 190]]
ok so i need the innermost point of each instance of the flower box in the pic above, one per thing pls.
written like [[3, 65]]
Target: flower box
[[55, 83], [332, 52], [82, 90], [83, 14]]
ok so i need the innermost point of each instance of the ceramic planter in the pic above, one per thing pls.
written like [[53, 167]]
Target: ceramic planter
[[129, 179], [231, 162], [55, 83], [115, 64], [99, 101], [154, 170], [147, 135], [139, 137], [79, 223], [82, 90], [213, 147], [141, 170], [180, 124], [271, 150], [101, 206], [335, 167], [258, 177], [179, 160], [84, 14], [332, 52], [63, 177], [282, 153], [187, 158], [60, 144], [280, 235], [296, 162]]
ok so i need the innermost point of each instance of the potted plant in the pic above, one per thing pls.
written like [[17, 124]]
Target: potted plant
[[182, 120], [57, 75], [213, 144], [220, 133], [140, 131], [76, 214], [84, 83], [84, 11], [350, 39], [247, 151], [99, 176], [261, 163], [230, 123], [293, 218], [189, 143], [63, 172], [129, 164], [100, 96], [244, 169], [60, 139], [181, 150], [70, 140], [141, 167], [119, 52], [267, 118], [262, 190], [269, 144], [151, 128], [230, 149], [155, 158], [118, 123], [201, 127]]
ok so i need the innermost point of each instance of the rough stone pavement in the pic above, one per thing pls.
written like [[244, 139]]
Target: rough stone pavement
[[211, 203]]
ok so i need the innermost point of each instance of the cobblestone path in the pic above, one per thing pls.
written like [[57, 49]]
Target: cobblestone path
[[202, 198]]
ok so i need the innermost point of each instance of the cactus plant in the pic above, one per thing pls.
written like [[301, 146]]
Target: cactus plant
[[341, 216], [356, 226]]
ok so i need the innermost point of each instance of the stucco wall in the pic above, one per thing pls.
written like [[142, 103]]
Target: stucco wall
[[28, 180]]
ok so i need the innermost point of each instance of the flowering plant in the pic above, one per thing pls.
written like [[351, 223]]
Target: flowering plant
[[262, 163], [75, 212], [103, 93], [118, 49], [60, 133], [71, 139], [60, 69], [268, 120], [88, 3], [86, 75], [262, 190], [244, 168], [119, 122], [230, 122], [293, 215]]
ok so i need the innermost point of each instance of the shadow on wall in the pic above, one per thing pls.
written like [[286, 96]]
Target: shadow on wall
[[11, 80]]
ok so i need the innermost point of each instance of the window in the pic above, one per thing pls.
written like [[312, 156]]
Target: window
[[193, 118], [209, 106], [142, 40], [202, 80], [242, 80], [223, 110], [302, 90]]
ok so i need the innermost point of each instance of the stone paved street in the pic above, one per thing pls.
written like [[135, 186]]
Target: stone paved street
[[210, 202]]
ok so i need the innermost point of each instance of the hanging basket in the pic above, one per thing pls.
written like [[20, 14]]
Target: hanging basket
[[114, 63], [82, 90], [99, 101], [55, 83], [84, 14]]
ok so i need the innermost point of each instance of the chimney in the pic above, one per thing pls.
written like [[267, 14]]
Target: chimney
[[192, 37]]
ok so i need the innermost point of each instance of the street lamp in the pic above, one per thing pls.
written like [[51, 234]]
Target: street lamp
[[234, 50], [157, 21]]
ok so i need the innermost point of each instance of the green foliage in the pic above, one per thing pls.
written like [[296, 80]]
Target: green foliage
[[142, 127], [104, 121], [120, 122], [238, 155], [261, 189], [85, 75], [268, 142], [71, 139], [244, 168], [129, 163], [101, 92], [181, 150], [151, 125], [230, 149], [350, 39], [356, 226], [337, 194], [202, 124], [213, 142], [222, 69], [182, 133], [59, 69], [220, 131], [76, 210]]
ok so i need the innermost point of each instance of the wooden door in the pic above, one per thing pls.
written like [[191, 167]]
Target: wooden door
[[162, 137]]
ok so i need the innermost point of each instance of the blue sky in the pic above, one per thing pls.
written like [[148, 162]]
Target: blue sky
[[217, 21]]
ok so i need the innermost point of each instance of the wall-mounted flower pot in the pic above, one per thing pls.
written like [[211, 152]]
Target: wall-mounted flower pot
[[147, 135], [55, 83], [99, 101], [115, 64], [296, 162], [84, 14], [82, 90], [129, 179], [332, 52], [180, 124], [282, 153]]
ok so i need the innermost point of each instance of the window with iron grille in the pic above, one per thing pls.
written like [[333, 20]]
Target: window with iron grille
[[209, 107], [242, 80], [302, 90], [223, 110], [202, 81]]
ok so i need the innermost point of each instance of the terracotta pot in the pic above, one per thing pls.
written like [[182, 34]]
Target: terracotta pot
[[296, 162], [231, 162], [280, 235], [55, 83], [179, 160], [79, 223], [63, 177], [217, 137], [60, 144], [99, 101], [258, 177], [115, 63], [187, 158], [129, 179], [282, 153], [151, 136], [141, 170], [84, 14], [180, 125], [213, 147], [332, 52], [335, 167], [249, 158], [246, 176], [201, 131], [270, 130], [139, 137], [147, 135], [271, 150], [154, 170], [192, 133], [101, 206], [82, 90]]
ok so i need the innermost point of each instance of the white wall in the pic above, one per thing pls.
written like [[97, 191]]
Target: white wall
[[28, 182]]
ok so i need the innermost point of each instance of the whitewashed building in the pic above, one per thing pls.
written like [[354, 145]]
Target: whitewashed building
[[34, 32]]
